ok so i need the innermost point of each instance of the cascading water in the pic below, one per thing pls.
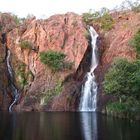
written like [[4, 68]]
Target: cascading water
[[15, 93], [89, 89]]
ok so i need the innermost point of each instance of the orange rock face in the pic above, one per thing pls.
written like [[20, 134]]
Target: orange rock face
[[6, 24], [65, 33], [125, 26], [114, 43]]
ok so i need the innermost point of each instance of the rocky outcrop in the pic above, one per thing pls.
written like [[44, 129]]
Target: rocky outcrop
[[7, 23], [114, 43], [68, 34], [69, 99], [65, 33]]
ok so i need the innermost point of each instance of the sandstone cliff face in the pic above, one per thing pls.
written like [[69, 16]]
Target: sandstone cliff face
[[111, 44], [114, 43], [65, 33], [7, 23]]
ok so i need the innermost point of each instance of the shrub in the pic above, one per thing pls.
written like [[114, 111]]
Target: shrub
[[23, 76], [127, 109], [68, 65], [102, 17], [87, 34], [20, 74], [52, 92], [89, 16], [117, 107], [103, 11], [16, 19], [106, 21], [136, 9], [53, 59], [22, 79], [131, 5], [26, 44], [123, 78], [134, 6], [135, 41]]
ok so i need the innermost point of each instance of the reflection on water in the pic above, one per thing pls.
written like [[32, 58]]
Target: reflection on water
[[66, 126], [89, 126]]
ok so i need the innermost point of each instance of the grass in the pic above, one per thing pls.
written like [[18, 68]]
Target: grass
[[55, 60], [134, 42], [127, 109], [25, 44], [56, 90]]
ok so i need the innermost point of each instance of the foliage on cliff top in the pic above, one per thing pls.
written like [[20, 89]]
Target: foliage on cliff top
[[123, 78], [16, 19], [90, 16], [102, 17], [132, 5]]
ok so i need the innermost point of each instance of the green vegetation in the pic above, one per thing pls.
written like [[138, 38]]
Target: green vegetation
[[90, 17], [68, 65], [0, 27], [134, 6], [25, 44], [23, 76], [106, 21], [87, 34], [135, 41], [55, 60], [123, 78], [17, 19], [53, 91], [129, 108], [20, 74], [103, 18], [123, 81]]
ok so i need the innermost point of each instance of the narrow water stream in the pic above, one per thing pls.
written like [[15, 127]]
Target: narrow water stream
[[15, 94]]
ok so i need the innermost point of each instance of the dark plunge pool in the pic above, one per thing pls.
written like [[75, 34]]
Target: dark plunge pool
[[66, 126]]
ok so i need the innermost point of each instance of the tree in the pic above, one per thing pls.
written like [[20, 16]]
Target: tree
[[123, 78]]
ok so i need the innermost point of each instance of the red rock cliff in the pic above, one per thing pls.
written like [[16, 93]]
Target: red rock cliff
[[7, 23], [114, 43], [65, 33]]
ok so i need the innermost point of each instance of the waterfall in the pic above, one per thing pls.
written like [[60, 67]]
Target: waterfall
[[15, 93], [88, 99]]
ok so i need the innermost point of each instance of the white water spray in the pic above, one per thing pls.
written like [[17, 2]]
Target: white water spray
[[89, 89]]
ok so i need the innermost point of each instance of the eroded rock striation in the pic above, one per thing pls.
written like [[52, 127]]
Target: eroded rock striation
[[63, 33]]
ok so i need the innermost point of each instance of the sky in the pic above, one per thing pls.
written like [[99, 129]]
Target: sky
[[46, 8]]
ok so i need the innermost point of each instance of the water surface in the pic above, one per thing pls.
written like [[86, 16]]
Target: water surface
[[66, 126]]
